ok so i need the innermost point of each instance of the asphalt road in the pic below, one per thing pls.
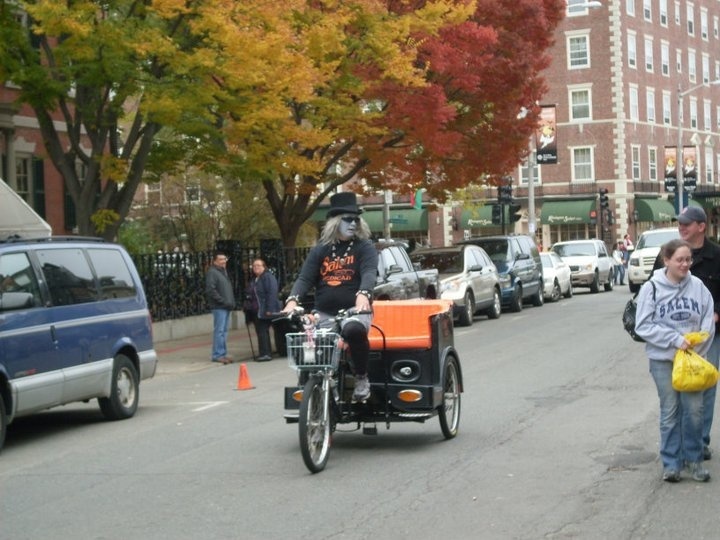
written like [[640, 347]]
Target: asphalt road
[[558, 439]]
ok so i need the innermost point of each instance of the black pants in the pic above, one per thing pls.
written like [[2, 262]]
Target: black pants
[[262, 329]]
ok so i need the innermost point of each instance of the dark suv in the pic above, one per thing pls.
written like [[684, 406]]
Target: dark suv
[[518, 262]]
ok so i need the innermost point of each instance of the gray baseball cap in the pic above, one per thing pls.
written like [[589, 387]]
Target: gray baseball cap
[[690, 214]]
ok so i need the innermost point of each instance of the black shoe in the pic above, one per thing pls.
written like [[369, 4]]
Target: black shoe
[[264, 358], [707, 453]]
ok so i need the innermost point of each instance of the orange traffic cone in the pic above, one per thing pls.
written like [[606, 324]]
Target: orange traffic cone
[[244, 379]]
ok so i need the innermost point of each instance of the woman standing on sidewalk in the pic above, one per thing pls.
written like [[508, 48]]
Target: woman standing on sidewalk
[[670, 305], [264, 297]]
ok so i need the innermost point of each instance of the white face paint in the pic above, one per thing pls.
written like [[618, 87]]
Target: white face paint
[[348, 230]]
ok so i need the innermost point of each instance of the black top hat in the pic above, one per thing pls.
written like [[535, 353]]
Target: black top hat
[[343, 203]]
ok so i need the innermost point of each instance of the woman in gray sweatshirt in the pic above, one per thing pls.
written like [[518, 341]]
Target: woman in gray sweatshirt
[[669, 306]]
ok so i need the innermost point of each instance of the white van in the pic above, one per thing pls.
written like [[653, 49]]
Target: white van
[[646, 251]]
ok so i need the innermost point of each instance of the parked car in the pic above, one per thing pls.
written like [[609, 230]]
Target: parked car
[[467, 277], [75, 326], [590, 264], [518, 263], [557, 276], [642, 258]]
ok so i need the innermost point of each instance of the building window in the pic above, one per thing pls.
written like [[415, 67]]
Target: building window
[[634, 110], [705, 65], [649, 53], [630, 7], [677, 13], [192, 193], [578, 52], [667, 108], [717, 117], [23, 178], [524, 171], [691, 19], [632, 50], [582, 164], [635, 162], [663, 13], [577, 7], [580, 104], [665, 58], [692, 68], [708, 166], [678, 61], [652, 164], [716, 27], [650, 105], [693, 113], [704, 34], [647, 10], [707, 115]]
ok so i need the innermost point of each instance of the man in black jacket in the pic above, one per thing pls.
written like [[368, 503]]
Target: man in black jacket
[[221, 301], [692, 224]]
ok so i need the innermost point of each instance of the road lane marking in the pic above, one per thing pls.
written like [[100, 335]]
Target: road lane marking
[[208, 405]]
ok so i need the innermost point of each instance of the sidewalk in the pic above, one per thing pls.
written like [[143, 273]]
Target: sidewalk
[[193, 353]]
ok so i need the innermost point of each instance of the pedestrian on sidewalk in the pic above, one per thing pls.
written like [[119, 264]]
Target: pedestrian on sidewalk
[[672, 304], [263, 295], [221, 301]]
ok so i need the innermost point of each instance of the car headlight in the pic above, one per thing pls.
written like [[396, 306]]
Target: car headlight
[[588, 267], [451, 285]]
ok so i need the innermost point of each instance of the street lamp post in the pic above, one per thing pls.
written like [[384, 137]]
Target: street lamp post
[[679, 162]]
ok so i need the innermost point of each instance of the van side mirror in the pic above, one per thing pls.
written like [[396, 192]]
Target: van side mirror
[[15, 300]]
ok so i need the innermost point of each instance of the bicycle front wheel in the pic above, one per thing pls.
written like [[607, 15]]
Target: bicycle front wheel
[[315, 425]]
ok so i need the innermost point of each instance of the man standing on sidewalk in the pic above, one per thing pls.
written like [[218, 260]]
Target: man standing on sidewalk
[[221, 300]]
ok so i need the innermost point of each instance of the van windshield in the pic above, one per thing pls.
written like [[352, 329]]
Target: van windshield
[[498, 252], [656, 239]]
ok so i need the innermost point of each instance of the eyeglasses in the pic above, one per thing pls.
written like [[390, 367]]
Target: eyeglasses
[[351, 219], [683, 260]]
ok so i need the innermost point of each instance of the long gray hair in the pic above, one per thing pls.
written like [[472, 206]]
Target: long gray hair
[[331, 230]]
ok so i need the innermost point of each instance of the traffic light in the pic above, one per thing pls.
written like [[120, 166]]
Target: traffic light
[[604, 202], [505, 194], [496, 214], [593, 217], [514, 213]]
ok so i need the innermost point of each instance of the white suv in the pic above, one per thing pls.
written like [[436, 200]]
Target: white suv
[[590, 264], [646, 251]]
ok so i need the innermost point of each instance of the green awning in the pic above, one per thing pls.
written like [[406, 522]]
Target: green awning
[[479, 217], [567, 212], [404, 220], [656, 210], [400, 220]]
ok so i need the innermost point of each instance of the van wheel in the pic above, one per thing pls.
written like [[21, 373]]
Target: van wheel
[[124, 392], [3, 422], [516, 302]]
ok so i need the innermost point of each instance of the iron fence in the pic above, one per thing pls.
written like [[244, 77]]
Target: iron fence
[[175, 282]]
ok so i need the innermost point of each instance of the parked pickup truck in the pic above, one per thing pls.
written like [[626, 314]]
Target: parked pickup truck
[[398, 278]]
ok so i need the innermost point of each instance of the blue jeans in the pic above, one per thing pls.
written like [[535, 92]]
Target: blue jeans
[[221, 320], [713, 356], [619, 275], [681, 419]]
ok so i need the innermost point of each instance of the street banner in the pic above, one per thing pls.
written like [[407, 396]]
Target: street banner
[[689, 162], [670, 162], [546, 136]]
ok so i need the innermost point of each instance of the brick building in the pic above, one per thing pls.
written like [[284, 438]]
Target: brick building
[[619, 75]]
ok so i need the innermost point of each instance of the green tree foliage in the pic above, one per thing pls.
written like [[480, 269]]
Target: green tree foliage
[[113, 74]]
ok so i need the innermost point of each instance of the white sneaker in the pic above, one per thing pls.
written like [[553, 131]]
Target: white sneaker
[[362, 388]]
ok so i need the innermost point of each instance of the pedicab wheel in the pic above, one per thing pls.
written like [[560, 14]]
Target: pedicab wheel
[[314, 426], [450, 408]]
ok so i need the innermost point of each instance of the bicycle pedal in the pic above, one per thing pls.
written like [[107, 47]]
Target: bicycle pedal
[[370, 429]]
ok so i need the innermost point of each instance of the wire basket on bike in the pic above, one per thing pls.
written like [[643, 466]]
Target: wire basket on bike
[[312, 350]]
